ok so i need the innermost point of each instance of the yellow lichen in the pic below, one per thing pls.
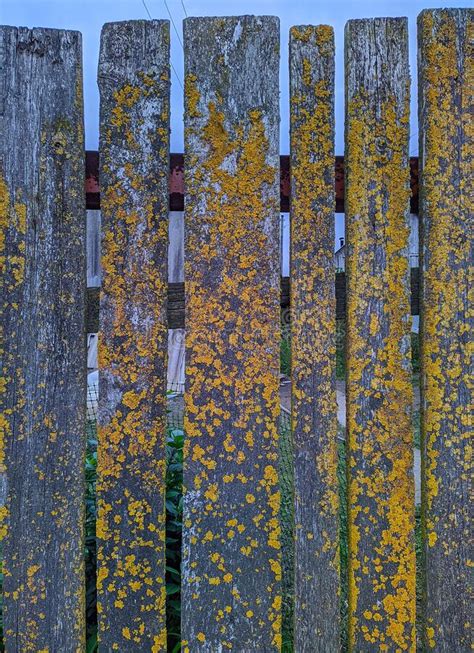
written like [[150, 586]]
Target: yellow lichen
[[380, 445], [446, 78], [232, 360], [132, 358], [313, 328]]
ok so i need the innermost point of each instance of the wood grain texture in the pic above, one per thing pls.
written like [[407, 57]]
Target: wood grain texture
[[446, 91], [231, 540], [313, 328], [134, 150], [379, 393], [42, 211]]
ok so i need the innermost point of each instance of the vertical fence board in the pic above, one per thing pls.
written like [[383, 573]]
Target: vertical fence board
[[380, 441], [231, 550], [134, 151], [43, 236], [446, 39], [313, 322]]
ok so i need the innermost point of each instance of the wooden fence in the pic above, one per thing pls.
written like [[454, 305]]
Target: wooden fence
[[237, 563]]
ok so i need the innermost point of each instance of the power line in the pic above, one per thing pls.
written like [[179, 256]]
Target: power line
[[147, 11], [172, 20], [176, 75], [414, 144], [184, 8], [171, 62]]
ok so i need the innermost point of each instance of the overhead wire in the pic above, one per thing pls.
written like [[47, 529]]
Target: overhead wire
[[147, 10], [173, 23], [171, 62]]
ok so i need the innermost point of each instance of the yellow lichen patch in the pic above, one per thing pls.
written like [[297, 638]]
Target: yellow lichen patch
[[192, 96], [12, 221], [5, 416], [379, 430]]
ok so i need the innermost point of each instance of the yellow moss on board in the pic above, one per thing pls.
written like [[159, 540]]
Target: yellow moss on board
[[4, 418], [12, 268], [132, 357], [232, 360], [380, 485], [314, 422], [447, 73]]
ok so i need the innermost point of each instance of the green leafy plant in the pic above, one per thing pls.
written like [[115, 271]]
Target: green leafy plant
[[90, 553], [343, 533], [174, 523]]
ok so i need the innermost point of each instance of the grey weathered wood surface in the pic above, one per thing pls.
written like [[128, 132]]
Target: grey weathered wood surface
[[313, 327], [379, 393], [43, 221], [446, 91], [231, 550], [134, 150]]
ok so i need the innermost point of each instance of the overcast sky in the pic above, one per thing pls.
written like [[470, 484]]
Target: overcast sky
[[88, 16]]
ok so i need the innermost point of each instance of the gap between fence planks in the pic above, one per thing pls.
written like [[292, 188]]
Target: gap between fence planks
[[379, 393], [446, 105], [43, 223], [134, 141], [313, 332], [231, 569]]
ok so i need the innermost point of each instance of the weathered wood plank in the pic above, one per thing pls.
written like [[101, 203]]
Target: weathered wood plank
[[446, 88], [134, 143], [380, 441], [231, 550], [313, 325], [42, 211]]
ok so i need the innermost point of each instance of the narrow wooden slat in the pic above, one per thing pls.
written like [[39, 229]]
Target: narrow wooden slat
[[313, 324], [380, 442], [134, 143], [231, 540], [446, 91], [42, 211]]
